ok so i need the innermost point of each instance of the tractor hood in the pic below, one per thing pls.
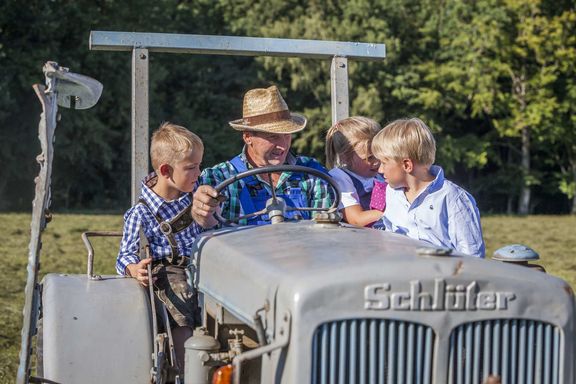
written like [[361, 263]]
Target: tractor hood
[[299, 265]]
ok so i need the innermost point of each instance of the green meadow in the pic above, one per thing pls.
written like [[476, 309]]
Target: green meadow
[[554, 237]]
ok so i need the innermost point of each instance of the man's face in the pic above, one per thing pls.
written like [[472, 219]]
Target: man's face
[[264, 149]]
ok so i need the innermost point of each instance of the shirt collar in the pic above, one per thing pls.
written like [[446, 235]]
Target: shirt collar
[[435, 185], [154, 201], [438, 174]]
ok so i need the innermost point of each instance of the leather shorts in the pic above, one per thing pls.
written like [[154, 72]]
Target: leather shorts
[[172, 289]]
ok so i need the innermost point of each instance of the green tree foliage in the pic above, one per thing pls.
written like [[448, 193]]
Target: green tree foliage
[[490, 77], [561, 139], [493, 78], [92, 167], [306, 83]]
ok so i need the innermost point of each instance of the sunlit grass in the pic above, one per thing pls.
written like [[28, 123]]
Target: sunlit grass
[[62, 251], [554, 237]]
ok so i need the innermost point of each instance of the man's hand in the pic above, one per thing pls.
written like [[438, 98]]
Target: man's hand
[[140, 271], [204, 204]]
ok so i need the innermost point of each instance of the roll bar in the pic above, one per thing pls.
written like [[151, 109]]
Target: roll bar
[[142, 44]]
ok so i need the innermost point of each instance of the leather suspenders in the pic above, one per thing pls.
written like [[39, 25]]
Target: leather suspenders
[[170, 227]]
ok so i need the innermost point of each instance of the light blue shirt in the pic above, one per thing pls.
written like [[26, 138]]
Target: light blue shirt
[[443, 214]]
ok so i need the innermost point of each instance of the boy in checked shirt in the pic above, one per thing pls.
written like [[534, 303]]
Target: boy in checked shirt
[[176, 154]]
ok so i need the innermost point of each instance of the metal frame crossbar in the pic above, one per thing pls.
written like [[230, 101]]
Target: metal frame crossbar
[[142, 44]]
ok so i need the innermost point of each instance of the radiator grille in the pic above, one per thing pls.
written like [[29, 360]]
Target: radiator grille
[[519, 351], [372, 351]]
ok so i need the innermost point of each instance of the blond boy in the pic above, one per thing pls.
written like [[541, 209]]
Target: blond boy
[[420, 202], [176, 154]]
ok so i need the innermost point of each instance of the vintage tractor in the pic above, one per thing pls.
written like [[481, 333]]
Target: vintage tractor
[[308, 301]]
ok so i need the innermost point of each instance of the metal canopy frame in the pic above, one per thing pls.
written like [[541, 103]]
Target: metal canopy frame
[[142, 44]]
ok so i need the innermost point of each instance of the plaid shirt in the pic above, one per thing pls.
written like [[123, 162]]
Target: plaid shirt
[[317, 191], [140, 216]]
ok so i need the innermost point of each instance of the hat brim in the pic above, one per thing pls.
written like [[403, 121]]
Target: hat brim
[[296, 123]]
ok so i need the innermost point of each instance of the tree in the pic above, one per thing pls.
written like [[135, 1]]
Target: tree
[[494, 79], [561, 47], [306, 83], [91, 167], [492, 64]]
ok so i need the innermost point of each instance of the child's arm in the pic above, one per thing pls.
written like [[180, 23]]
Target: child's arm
[[128, 263], [349, 204], [139, 271], [464, 226], [354, 214]]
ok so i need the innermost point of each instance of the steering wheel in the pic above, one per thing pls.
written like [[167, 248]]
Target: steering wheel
[[276, 206]]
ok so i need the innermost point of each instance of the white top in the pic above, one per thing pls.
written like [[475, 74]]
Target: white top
[[443, 214], [349, 194]]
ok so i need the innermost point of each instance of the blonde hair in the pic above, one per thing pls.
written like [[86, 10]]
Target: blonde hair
[[405, 139], [344, 137], [171, 142]]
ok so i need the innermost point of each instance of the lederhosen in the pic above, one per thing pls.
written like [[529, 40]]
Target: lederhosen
[[169, 228], [182, 302], [253, 195]]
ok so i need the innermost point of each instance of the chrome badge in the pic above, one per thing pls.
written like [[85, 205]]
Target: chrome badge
[[444, 297]]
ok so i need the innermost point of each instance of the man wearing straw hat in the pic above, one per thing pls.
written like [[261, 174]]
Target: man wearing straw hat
[[267, 126]]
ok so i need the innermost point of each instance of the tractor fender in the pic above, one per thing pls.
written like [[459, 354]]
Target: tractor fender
[[95, 331]]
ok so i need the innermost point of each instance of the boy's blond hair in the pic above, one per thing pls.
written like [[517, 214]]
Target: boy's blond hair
[[347, 135], [170, 143], [405, 139]]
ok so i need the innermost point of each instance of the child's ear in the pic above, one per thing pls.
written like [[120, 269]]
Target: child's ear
[[407, 165], [165, 170]]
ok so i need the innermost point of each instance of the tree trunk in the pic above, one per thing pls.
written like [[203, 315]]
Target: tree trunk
[[519, 91], [524, 202], [511, 194], [509, 203], [573, 210], [4, 201]]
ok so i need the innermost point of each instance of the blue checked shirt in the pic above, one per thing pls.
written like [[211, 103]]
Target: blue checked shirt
[[316, 190], [140, 216], [443, 214]]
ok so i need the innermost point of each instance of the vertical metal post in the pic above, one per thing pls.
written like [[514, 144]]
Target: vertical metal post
[[339, 87], [140, 119]]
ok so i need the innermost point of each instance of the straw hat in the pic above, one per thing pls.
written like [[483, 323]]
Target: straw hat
[[265, 110]]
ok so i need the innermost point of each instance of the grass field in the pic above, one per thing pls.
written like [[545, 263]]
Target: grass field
[[554, 237]]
